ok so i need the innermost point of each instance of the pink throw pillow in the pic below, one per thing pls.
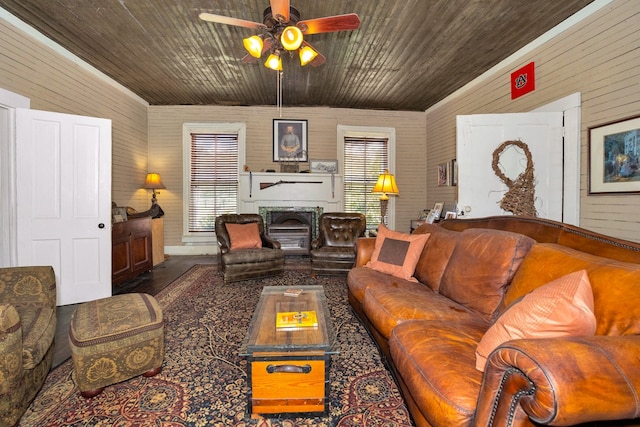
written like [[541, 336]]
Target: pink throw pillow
[[563, 307], [244, 236], [397, 253]]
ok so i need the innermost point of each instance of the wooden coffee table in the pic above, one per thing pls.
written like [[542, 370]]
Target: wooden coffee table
[[288, 371]]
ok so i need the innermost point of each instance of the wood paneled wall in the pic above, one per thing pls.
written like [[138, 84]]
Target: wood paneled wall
[[34, 67], [599, 57], [165, 149]]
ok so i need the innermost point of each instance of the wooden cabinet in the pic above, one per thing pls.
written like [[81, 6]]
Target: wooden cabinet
[[131, 249]]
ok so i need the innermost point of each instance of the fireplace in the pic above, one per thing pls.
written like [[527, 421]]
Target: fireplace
[[294, 228]]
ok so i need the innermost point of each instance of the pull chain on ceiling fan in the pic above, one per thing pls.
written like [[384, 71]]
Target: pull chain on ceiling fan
[[282, 31]]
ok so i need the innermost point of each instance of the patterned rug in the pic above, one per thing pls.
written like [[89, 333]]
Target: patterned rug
[[203, 381]]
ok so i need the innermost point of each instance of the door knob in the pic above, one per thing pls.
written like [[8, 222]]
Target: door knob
[[101, 225]]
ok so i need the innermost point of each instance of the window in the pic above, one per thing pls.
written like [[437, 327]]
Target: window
[[365, 153], [212, 155]]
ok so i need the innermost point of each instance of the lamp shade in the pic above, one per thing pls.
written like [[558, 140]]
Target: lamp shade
[[307, 54], [153, 182], [291, 38], [386, 184], [254, 46], [274, 62]]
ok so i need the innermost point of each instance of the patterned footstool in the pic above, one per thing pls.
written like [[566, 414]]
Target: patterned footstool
[[114, 339]]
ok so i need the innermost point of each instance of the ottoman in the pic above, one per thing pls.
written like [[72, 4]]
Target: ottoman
[[114, 339]]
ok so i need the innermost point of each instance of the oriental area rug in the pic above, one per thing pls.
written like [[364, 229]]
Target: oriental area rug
[[203, 381]]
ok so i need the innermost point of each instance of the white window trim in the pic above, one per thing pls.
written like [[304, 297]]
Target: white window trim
[[373, 132], [187, 129]]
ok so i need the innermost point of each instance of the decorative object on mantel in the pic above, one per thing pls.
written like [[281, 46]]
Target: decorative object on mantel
[[386, 185], [264, 185], [519, 199], [324, 166]]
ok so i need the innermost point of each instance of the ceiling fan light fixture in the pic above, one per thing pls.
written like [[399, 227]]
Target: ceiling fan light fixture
[[254, 46], [291, 38], [307, 54], [274, 62]]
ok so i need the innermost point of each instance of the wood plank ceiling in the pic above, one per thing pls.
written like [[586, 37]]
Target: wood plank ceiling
[[406, 55]]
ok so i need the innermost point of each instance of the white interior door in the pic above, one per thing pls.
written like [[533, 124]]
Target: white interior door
[[481, 190], [63, 181]]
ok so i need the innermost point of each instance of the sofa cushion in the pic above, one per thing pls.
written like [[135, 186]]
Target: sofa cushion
[[435, 255], [616, 297], [436, 362], [388, 306], [563, 307], [244, 236], [481, 267], [397, 253], [359, 279]]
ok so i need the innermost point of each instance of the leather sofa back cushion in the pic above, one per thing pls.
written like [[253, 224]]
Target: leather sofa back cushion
[[482, 266], [615, 284], [561, 308], [342, 230], [435, 255], [244, 236], [397, 253]]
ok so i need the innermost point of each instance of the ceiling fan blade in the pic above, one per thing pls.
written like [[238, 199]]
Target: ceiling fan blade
[[330, 24], [210, 17], [280, 10], [318, 60]]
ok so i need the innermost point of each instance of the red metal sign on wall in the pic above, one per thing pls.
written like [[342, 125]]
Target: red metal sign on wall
[[523, 80]]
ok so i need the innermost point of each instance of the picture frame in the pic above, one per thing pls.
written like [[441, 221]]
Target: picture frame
[[614, 157], [454, 172], [323, 166], [443, 174], [434, 214], [118, 214], [290, 140], [450, 215]]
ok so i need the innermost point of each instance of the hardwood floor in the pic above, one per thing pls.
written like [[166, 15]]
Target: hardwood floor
[[151, 283]]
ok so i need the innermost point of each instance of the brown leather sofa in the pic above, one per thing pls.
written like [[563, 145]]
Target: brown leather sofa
[[334, 250], [469, 272], [242, 264]]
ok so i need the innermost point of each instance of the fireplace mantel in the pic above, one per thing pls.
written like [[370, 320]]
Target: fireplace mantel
[[291, 190]]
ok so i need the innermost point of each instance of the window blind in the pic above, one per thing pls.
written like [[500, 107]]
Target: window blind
[[364, 160], [214, 176]]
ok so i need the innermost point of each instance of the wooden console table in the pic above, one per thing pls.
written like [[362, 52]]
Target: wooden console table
[[131, 252]]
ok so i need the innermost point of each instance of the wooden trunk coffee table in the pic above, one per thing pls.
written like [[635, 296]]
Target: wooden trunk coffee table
[[288, 371]]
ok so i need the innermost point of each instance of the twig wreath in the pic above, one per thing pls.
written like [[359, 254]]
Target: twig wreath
[[521, 194]]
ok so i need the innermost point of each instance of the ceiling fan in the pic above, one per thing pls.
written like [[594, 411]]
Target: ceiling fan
[[282, 31]]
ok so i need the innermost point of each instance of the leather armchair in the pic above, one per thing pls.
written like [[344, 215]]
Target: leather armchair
[[333, 251], [242, 264], [27, 332]]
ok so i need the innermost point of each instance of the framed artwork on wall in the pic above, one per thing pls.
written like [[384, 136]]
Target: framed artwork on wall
[[290, 140], [614, 157], [323, 166], [443, 174]]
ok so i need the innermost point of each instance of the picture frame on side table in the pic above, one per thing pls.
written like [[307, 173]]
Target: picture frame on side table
[[323, 166], [434, 214], [613, 162], [290, 140], [118, 214]]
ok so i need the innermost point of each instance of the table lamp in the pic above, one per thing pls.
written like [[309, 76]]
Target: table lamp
[[153, 182], [386, 185]]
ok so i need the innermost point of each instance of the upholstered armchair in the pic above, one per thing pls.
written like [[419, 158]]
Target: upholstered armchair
[[245, 249], [333, 250], [27, 332]]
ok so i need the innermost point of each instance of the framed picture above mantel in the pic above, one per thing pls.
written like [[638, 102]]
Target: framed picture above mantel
[[614, 157], [290, 140]]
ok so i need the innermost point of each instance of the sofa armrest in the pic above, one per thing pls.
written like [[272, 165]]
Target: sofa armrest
[[561, 381], [364, 250], [268, 242], [11, 368], [33, 286]]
